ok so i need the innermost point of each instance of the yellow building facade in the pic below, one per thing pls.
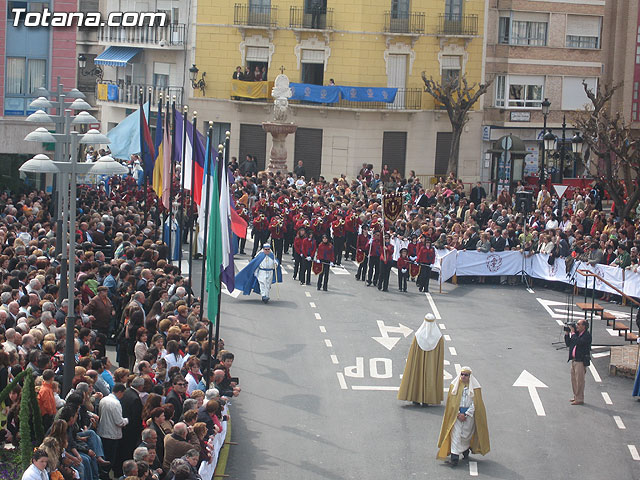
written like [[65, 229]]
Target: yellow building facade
[[360, 43]]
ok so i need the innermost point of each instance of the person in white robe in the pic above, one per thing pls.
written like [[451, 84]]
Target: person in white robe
[[265, 272]]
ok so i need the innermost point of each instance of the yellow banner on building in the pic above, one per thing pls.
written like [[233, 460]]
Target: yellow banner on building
[[243, 89], [102, 91]]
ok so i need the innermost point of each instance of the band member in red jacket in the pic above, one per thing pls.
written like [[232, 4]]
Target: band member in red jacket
[[277, 231], [338, 226], [325, 256], [297, 253], [403, 269], [386, 259], [426, 257], [362, 245], [259, 232], [308, 251], [375, 248], [351, 235]]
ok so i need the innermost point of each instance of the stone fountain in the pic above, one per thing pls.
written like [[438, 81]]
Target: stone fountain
[[279, 128]]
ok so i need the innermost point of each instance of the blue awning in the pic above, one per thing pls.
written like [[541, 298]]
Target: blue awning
[[116, 56]]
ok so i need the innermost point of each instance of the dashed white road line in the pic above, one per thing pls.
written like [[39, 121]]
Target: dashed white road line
[[334, 359], [322, 329], [434, 309], [308, 294], [619, 422], [447, 338], [600, 354], [318, 317], [327, 342], [594, 372], [312, 305], [634, 452], [375, 387], [607, 398], [342, 381], [452, 351], [442, 326], [473, 469]]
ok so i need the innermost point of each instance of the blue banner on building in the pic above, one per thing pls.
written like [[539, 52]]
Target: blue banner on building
[[368, 94], [314, 93], [333, 94]]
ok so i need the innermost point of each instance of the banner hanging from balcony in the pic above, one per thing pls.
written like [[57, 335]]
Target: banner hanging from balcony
[[314, 93], [241, 89], [368, 94], [333, 94]]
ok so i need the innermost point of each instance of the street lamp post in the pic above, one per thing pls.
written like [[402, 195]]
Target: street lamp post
[[545, 111], [68, 171], [577, 142]]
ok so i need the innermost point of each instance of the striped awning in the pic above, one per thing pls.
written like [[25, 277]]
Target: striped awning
[[116, 56]]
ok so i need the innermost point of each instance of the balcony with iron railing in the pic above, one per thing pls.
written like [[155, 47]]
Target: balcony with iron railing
[[255, 16], [411, 23], [134, 93], [457, 25], [320, 19], [169, 36]]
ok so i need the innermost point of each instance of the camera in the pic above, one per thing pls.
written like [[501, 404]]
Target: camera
[[569, 326]]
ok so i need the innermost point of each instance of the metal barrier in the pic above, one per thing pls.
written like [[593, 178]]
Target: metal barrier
[[255, 15], [411, 22], [461, 25], [299, 17]]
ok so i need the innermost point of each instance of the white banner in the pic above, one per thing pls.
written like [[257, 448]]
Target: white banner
[[488, 264], [537, 266], [448, 265], [631, 283], [613, 275]]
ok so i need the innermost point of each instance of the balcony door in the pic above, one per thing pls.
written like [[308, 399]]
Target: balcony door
[[453, 10], [259, 12], [397, 78]]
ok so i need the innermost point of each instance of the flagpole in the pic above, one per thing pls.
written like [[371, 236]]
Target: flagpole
[[157, 212], [185, 110], [144, 170], [172, 122], [192, 226], [160, 201], [223, 170]]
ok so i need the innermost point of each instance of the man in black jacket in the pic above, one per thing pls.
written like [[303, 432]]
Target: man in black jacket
[[177, 396], [578, 340], [132, 410]]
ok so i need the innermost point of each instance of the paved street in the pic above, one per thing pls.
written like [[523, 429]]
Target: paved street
[[319, 390]]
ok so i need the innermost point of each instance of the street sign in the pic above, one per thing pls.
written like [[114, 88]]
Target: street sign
[[560, 189]]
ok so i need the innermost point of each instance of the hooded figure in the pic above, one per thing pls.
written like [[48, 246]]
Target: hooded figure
[[422, 381], [260, 274], [464, 426]]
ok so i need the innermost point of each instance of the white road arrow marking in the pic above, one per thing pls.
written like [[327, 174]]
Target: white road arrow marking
[[532, 383], [547, 304], [389, 342]]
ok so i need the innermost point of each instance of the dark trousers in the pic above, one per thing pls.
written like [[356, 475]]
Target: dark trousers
[[243, 242], [423, 278], [278, 244], [385, 271], [305, 271], [297, 267], [350, 248], [259, 239], [288, 240], [110, 448], [374, 265], [323, 278], [338, 247], [362, 269], [402, 280]]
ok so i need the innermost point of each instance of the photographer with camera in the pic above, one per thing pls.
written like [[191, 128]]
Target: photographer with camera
[[578, 339]]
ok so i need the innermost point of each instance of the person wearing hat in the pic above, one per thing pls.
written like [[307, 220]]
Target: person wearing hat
[[258, 276], [464, 426], [422, 380], [403, 264]]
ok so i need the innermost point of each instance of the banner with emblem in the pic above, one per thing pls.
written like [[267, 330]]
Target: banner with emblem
[[488, 264], [243, 89], [392, 206], [314, 93]]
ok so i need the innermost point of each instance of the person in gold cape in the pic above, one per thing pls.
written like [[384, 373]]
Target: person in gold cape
[[422, 381], [464, 426]]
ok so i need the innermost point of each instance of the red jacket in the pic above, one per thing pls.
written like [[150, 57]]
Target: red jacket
[[338, 227], [277, 228], [325, 252], [308, 247], [426, 255], [350, 223], [403, 263], [375, 249], [412, 249], [387, 257], [297, 245], [260, 223], [362, 243]]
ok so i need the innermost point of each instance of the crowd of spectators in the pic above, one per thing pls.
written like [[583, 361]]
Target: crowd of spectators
[[152, 414]]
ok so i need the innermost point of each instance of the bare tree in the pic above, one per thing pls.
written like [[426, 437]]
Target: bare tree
[[457, 97], [609, 138]]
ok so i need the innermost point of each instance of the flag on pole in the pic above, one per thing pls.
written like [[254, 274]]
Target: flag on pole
[[228, 272], [125, 137], [147, 150], [214, 247], [188, 154], [158, 168], [166, 162]]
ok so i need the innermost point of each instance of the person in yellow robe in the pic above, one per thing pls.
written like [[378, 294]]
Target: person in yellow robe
[[422, 381], [464, 426]]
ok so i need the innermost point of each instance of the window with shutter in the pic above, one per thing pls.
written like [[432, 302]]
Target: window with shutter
[[583, 31]]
